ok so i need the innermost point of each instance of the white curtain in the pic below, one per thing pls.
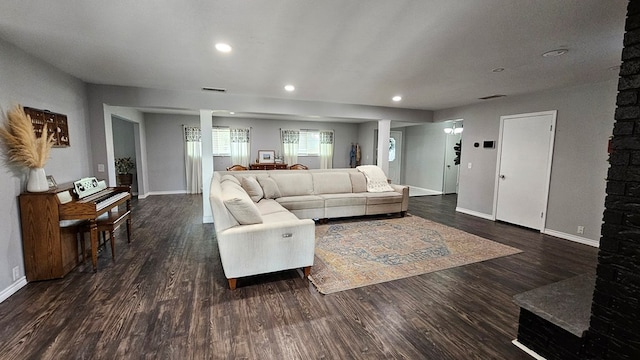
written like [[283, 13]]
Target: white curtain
[[193, 159], [326, 149], [240, 147], [290, 142]]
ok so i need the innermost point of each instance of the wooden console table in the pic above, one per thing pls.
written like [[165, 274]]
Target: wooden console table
[[268, 166]]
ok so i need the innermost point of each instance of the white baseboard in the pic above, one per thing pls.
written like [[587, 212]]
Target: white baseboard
[[475, 213], [4, 294], [578, 239], [169, 192], [530, 352], [418, 191]]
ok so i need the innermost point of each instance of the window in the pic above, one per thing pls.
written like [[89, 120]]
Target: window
[[309, 143], [221, 141]]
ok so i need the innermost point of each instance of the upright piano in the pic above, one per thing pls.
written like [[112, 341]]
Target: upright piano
[[51, 221]]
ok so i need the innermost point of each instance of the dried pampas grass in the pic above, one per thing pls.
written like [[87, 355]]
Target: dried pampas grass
[[24, 147]]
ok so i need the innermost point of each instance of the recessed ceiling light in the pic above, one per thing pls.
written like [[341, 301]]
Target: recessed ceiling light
[[396, 98], [497, 70], [222, 47], [289, 88], [554, 53]]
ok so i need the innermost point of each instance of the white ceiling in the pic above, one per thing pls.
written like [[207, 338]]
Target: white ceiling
[[435, 53]]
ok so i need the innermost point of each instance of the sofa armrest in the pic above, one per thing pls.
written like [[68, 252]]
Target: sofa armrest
[[404, 190], [262, 248]]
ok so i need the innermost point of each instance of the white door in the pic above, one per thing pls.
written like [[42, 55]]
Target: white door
[[451, 170], [395, 156], [526, 145]]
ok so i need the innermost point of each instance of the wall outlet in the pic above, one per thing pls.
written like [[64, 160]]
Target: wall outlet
[[469, 166], [16, 273], [580, 229], [100, 167]]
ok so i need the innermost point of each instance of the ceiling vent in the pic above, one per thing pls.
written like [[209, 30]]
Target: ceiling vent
[[491, 97], [221, 90]]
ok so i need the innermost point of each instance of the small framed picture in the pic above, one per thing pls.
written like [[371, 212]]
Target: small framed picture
[[266, 156], [51, 181]]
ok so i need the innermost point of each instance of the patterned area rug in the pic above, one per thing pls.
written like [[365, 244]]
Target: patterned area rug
[[352, 254]]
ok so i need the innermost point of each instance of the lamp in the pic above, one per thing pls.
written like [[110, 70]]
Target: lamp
[[453, 130]]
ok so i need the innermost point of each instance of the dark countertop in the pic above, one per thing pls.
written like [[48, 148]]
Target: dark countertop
[[566, 303]]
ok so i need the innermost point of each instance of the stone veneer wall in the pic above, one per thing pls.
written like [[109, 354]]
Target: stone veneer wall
[[614, 331]]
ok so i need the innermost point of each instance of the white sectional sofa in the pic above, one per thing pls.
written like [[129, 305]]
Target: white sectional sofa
[[264, 218]]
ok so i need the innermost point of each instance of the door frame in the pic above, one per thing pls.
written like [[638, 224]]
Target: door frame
[[554, 114]]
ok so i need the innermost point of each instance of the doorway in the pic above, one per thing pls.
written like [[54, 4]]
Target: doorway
[[524, 168], [124, 145], [451, 172], [395, 156]]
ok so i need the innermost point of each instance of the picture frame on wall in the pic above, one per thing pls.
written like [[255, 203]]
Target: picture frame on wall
[[266, 156]]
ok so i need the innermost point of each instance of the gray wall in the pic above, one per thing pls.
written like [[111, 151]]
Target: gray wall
[[584, 124], [165, 145], [165, 151], [366, 138], [266, 136], [30, 82], [425, 145]]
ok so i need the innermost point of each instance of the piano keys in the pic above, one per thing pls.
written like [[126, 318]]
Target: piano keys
[[51, 221]]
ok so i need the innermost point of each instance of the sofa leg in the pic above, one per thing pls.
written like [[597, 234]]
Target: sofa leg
[[306, 270], [403, 213], [232, 283]]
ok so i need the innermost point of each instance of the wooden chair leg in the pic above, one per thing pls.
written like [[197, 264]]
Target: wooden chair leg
[[232, 283], [307, 271]]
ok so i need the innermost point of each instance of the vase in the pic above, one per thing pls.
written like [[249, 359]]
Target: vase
[[37, 180]]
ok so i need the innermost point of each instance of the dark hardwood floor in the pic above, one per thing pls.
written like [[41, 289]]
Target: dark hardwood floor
[[166, 297]]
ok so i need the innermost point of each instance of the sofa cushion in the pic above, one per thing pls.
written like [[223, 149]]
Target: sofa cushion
[[383, 198], [269, 187], [251, 186], [301, 202], [279, 217], [269, 206], [292, 183], [239, 204], [331, 183], [376, 179], [333, 200], [230, 178], [358, 182]]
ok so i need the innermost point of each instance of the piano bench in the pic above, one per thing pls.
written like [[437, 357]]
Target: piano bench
[[109, 221]]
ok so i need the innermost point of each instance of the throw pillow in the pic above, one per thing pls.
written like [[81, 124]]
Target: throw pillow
[[376, 179], [230, 178], [269, 187], [240, 205], [251, 186]]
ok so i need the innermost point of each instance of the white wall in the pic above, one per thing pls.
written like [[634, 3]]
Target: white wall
[[577, 189], [30, 82]]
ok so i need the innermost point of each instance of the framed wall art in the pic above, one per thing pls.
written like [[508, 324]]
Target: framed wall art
[[266, 156]]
